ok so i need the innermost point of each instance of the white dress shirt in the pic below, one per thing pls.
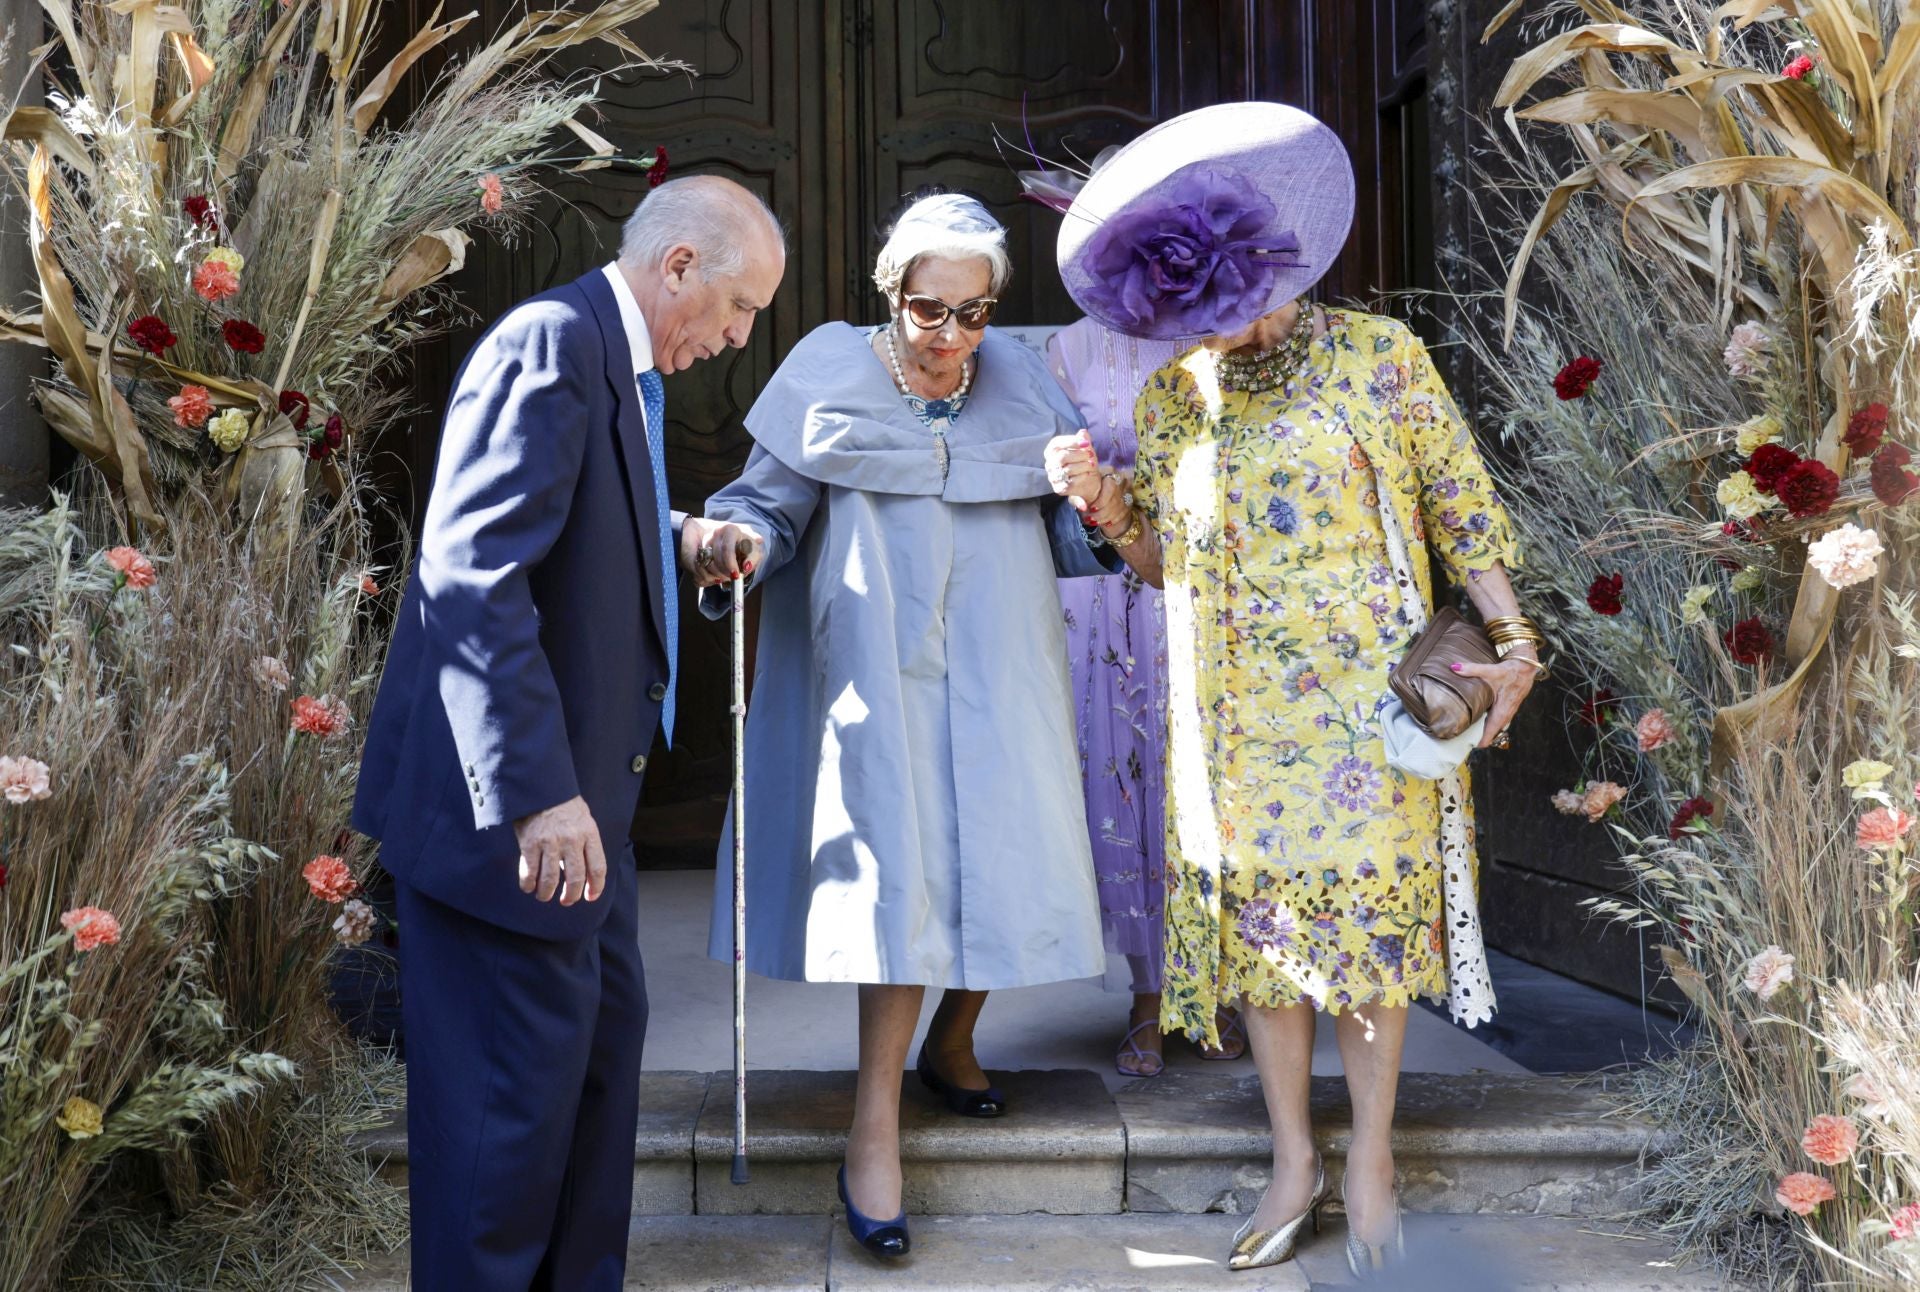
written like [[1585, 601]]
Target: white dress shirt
[[640, 343]]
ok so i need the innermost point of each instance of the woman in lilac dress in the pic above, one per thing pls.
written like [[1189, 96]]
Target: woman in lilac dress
[[1116, 645]]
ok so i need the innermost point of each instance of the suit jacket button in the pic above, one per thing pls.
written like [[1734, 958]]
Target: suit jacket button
[[657, 692], [639, 763]]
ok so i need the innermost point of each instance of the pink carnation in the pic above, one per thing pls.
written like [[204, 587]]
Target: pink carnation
[[1768, 972], [1802, 1193], [491, 196], [135, 569], [1872, 1097], [330, 879], [271, 674], [1884, 827], [24, 780], [91, 927], [1654, 730], [1600, 798], [1904, 1224], [355, 923], [1830, 1140], [1569, 802]]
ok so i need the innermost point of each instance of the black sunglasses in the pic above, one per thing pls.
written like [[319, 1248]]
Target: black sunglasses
[[931, 311]]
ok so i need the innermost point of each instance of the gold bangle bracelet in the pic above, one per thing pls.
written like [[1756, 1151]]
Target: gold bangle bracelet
[[1128, 536]]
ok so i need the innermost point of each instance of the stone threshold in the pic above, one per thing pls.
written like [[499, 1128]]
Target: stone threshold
[[1183, 1142], [1126, 1253]]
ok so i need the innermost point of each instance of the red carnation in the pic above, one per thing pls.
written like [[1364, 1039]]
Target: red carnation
[[329, 439], [3, 874], [657, 173], [1768, 464], [1893, 484], [201, 212], [297, 407], [1798, 68], [1748, 530], [1598, 708], [1748, 641], [1809, 489], [243, 336], [1573, 380], [151, 334], [1604, 594], [1865, 430], [1692, 810]]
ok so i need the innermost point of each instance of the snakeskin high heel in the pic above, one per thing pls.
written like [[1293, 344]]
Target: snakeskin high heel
[[1254, 1250], [1364, 1259]]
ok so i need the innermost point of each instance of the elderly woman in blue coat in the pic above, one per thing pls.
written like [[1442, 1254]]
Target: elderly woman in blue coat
[[910, 758]]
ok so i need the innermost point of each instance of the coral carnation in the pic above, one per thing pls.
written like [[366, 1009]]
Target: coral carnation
[[1802, 1193], [1600, 798], [368, 586], [215, 281], [329, 879], [1830, 1140], [151, 333], [491, 196], [1654, 730], [1603, 594], [1808, 489], [24, 780], [1576, 378], [1884, 827], [243, 336], [1904, 1224], [191, 406], [91, 927], [135, 570], [325, 717]]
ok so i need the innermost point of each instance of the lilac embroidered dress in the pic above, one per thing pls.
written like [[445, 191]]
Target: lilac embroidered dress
[[1117, 649]]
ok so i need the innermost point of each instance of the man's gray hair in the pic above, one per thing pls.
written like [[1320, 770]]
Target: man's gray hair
[[946, 226], [715, 217]]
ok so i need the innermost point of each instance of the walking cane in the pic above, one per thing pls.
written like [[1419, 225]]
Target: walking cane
[[743, 552]]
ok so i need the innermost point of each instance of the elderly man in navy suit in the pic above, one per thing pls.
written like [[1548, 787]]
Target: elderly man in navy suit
[[534, 656]]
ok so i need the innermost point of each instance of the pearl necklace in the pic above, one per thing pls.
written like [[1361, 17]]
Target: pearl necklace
[[929, 410]]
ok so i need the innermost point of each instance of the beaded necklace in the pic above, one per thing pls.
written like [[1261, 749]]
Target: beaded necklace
[[937, 415], [1267, 370]]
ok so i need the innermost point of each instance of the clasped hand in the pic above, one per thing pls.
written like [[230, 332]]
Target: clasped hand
[[718, 551], [1073, 469]]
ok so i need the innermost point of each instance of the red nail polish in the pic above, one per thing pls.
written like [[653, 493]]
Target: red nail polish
[[747, 568]]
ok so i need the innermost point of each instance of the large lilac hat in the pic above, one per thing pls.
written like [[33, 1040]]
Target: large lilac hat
[[1208, 221]]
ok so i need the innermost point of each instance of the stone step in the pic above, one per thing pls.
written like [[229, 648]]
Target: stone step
[[1126, 1253], [1185, 1141]]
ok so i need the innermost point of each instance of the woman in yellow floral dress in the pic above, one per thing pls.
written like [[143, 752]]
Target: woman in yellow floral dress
[[1304, 873]]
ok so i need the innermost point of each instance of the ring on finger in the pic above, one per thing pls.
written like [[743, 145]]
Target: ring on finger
[[705, 555], [1503, 741]]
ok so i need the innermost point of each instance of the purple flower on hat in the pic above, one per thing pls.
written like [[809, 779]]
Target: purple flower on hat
[[1201, 254]]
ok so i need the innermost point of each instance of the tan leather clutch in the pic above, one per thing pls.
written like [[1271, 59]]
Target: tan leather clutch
[[1442, 701]]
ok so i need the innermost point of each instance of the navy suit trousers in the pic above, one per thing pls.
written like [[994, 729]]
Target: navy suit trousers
[[523, 1091]]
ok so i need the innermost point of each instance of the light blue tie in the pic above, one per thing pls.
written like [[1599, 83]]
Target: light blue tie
[[653, 398]]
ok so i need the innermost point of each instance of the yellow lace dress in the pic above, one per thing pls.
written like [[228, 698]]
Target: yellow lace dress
[[1300, 867]]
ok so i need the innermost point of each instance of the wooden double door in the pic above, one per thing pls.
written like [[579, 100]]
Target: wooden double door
[[833, 109]]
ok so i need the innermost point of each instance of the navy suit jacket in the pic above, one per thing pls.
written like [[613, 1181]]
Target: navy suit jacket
[[528, 664]]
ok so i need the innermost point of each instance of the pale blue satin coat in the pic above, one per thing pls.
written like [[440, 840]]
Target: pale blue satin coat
[[914, 812]]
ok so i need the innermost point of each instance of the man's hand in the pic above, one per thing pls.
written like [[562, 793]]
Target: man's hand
[[560, 852], [715, 551]]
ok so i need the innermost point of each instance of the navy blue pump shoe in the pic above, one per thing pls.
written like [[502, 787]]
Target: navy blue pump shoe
[[968, 1103], [881, 1237]]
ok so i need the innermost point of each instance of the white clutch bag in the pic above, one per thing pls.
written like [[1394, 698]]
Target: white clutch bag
[[1411, 750]]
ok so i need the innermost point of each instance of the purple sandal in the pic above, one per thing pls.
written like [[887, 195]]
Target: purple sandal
[[1234, 1031], [1129, 1050]]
